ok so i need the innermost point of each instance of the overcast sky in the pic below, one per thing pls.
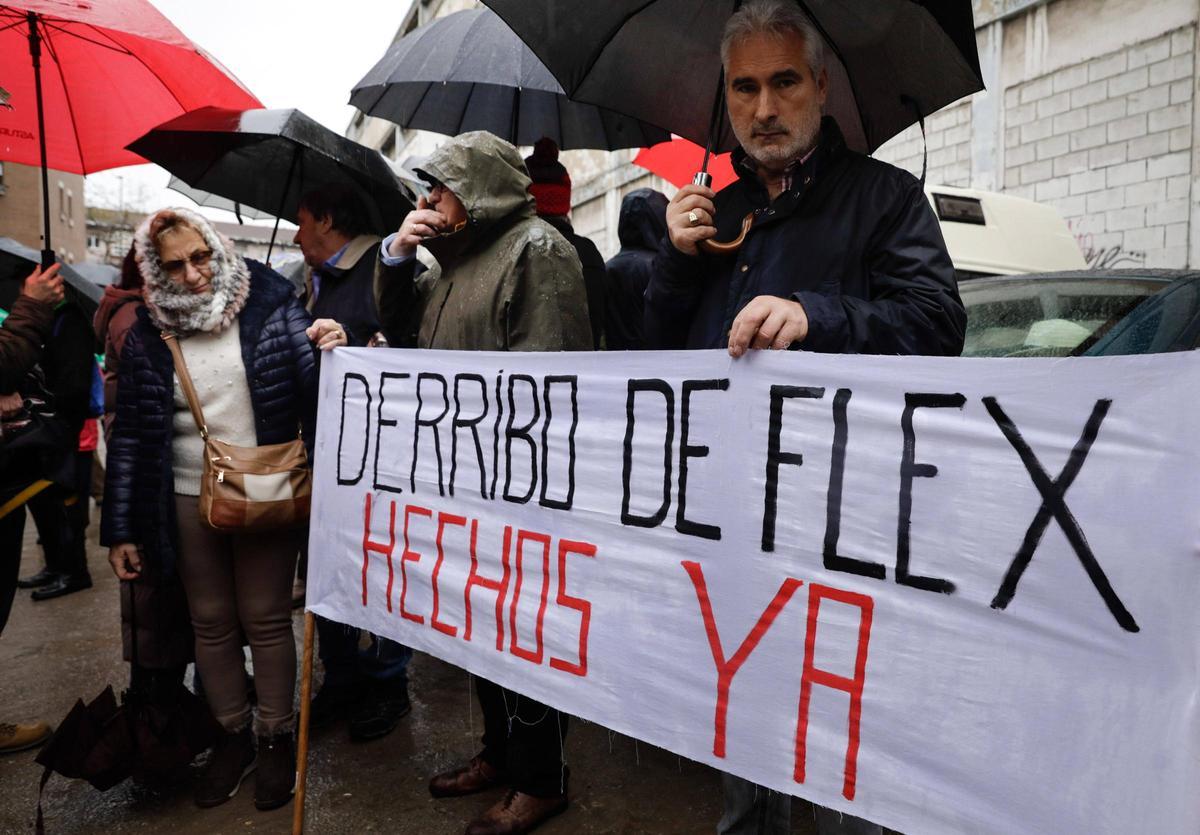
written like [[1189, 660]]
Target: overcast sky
[[289, 54]]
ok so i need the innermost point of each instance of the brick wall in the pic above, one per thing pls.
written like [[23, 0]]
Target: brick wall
[[948, 134], [1108, 143], [21, 210]]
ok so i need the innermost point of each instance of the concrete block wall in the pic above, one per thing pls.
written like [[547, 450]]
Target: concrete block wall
[[1108, 142], [948, 134]]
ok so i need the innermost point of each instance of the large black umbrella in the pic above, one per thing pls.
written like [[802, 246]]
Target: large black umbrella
[[17, 261], [269, 159], [890, 62], [468, 71]]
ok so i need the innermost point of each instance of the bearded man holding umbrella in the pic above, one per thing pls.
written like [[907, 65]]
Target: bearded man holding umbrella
[[843, 255]]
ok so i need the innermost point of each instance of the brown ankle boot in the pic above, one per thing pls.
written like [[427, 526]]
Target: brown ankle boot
[[475, 776], [516, 813]]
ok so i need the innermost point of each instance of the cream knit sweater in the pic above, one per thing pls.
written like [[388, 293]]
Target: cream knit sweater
[[217, 372]]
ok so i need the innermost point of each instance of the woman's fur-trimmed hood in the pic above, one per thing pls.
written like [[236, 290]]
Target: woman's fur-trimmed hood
[[175, 310]]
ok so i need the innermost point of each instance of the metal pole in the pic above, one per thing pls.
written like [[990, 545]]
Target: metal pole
[[282, 201], [35, 53], [703, 178]]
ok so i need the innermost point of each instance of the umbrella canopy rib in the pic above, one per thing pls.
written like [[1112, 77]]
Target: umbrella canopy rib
[[49, 23], [615, 29], [50, 47], [832, 45]]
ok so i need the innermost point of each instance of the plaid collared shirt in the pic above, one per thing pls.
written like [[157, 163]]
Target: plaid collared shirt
[[789, 172]]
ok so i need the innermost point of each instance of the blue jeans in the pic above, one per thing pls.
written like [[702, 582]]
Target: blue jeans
[[346, 665], [754, 810]]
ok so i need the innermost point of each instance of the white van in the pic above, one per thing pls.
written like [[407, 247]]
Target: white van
[[996, 234]]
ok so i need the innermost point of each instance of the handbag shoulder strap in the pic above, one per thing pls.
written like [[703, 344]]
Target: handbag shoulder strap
[[185, 383]]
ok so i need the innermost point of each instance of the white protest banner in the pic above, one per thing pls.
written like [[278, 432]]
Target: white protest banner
[[945, 595]]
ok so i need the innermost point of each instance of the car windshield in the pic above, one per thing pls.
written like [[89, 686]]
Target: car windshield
[[1046, 317]]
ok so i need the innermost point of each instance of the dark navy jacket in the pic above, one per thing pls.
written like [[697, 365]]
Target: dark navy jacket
[[855, 241], [281, 371], [348, 297], [640, 228]]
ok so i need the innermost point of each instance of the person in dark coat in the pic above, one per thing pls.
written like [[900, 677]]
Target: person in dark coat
[[114, 317], [340, 253], [249, 349], [60, 512], [551, 188], [844, 256], [27, 326], [641, 227], [22, 335], [368, 686]]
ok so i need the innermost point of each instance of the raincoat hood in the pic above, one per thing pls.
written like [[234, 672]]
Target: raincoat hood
[[489, 177], [643, 220], [506, 282]]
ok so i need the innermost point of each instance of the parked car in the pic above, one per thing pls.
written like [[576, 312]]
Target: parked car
[[997, 234], [1082, 313]]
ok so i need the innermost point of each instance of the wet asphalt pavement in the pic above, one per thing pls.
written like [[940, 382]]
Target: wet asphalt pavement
[[54, 652]]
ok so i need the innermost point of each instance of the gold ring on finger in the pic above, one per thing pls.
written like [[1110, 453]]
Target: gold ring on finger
[[693, 218]]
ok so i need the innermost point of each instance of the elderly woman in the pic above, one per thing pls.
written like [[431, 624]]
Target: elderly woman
[[249, 348]]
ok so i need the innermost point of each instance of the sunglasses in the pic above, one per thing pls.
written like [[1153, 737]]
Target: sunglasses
[[201, 260]]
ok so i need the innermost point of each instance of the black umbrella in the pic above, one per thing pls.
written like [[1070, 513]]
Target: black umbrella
[[104, 743], [468, 71], [890, 62], [17, 261], [149, 735], [269, 159]]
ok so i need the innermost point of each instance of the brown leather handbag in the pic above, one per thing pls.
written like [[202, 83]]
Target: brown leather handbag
[[247, 489]]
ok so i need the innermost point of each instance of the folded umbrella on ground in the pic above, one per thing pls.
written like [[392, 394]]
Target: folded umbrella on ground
[[148, 736], [468, 71]]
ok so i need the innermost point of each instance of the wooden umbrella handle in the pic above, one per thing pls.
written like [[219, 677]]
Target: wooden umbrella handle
[[306, 666], [712, 247]]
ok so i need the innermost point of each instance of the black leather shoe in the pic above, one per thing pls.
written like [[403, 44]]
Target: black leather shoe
[[65, 584], [43, 578], [379, 711]]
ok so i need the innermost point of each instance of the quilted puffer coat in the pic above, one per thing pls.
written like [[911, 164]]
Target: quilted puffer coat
[[281, 371]]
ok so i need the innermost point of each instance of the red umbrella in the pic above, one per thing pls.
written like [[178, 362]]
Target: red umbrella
[[86, 78], [678, 160]]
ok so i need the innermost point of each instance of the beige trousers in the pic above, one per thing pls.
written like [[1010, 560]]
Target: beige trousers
[[240, 584]]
